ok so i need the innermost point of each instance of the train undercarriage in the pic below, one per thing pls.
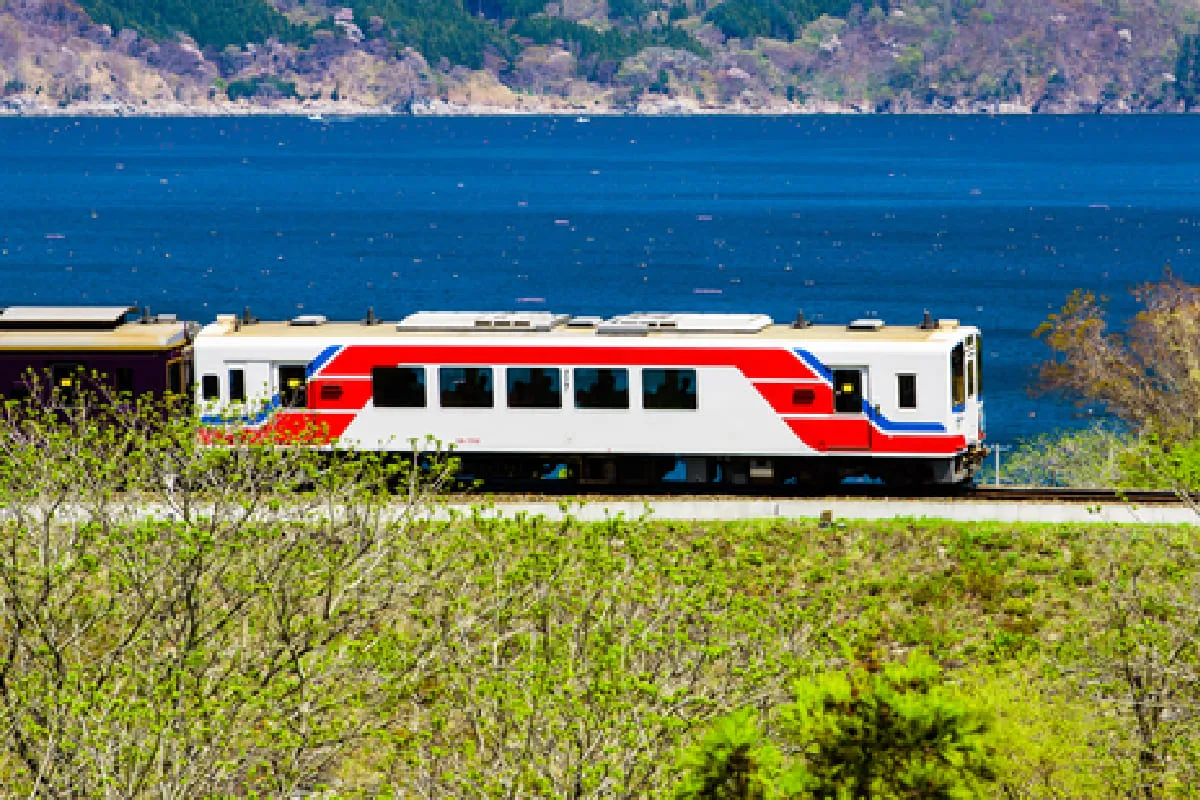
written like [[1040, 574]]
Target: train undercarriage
[[718, 473]]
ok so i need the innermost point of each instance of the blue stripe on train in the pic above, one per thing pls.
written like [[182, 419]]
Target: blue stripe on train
[[244, 419], [892, 426], [321, 360], [814, 364], [880, 420]]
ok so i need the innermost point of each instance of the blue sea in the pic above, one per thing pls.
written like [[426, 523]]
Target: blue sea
[[989, 220]]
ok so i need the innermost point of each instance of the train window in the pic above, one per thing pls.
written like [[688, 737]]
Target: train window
[[906, 391], [466, 387], [601, 388], [293, 386], [398, 387], [971, 390], [210, 387], [66, 378], [175, 376], [669, 389], [237, 386], [803, 397], [534, 387], [848, 391], [958, 374], [124, 380]]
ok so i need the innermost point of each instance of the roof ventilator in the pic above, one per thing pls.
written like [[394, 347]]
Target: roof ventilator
[[640, 322], [308, 320], [867, 324], [481, 321], [584, 322]]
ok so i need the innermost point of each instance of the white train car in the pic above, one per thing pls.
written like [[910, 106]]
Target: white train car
[[707, 398]]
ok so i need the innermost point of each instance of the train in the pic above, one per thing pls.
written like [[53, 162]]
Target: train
[[639, 399]]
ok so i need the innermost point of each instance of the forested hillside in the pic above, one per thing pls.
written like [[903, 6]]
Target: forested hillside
[[631, 55]]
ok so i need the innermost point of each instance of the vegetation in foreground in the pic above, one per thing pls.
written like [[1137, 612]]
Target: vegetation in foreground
[[484, 658], [300, 622]]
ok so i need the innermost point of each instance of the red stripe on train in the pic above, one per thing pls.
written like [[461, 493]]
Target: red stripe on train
[[285, 427], [857, 434], [752, 362], [798, 398]]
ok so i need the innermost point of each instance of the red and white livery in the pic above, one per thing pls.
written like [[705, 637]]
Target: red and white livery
[[708, 398]]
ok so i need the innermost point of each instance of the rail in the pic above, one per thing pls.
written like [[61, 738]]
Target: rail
[[1006, 494]]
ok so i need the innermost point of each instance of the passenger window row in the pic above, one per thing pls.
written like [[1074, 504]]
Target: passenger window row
[[210, 386], [533, 387]]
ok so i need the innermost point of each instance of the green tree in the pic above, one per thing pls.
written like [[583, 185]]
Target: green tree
[[899, 732], [1187, 69], [1147, 375], [778, 19], [896, 733], [734, 761], [212, 23]]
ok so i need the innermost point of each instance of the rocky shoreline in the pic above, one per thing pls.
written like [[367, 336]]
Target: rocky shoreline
[[325, 110]]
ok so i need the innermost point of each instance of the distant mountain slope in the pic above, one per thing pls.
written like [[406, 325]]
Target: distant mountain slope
[[212, 23], [648, 55]]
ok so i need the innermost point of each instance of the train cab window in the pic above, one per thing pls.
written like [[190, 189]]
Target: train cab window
[[958, 374], [906, 391], [123, 380], [978, 365], [175, 380], [534, 387], [210, 387], [601, 388], [398, 387], [848, 391], [66, 378], [237, 386], [466, 387], [293, 386], [669, 389]]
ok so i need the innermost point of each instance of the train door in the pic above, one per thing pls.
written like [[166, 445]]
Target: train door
[[852, 426]]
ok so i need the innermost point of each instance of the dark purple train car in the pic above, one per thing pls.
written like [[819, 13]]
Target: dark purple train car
[[68, 345]]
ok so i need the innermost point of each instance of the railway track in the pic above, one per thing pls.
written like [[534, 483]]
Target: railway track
[[1023, 494], [995, 494]]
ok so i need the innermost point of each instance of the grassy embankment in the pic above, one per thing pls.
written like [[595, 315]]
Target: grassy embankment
[[528, 658]]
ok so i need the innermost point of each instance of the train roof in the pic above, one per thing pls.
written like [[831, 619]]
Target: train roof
[[546, 324], [84, 328]]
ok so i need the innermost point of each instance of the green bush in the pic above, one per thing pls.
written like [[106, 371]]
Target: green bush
[[899, 732]]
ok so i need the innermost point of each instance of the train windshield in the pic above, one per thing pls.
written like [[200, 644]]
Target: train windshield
[[979, 364], [958, 374]]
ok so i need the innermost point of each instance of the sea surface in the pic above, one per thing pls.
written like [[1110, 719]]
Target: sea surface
[[989, 220]]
